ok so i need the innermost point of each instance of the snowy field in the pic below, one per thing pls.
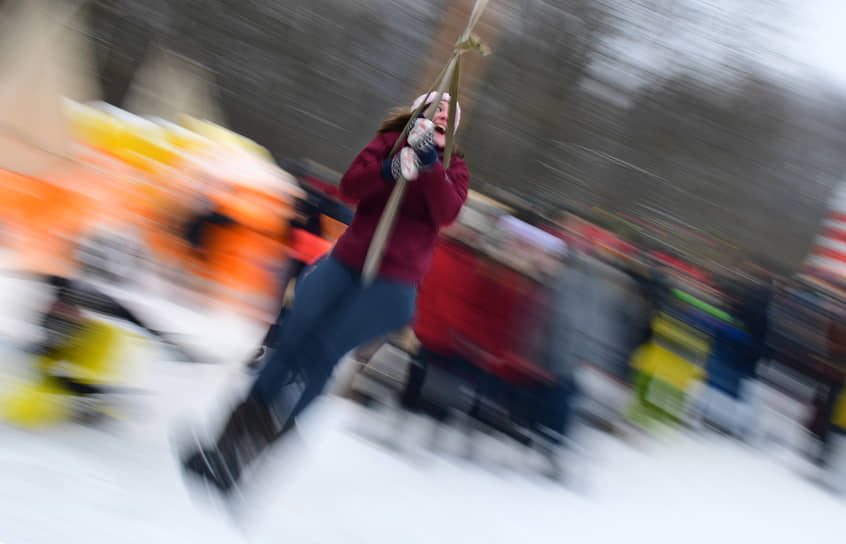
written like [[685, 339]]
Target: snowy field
[[351, 476]]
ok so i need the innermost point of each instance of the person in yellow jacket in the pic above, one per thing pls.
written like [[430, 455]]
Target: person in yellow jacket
[[77, 358]]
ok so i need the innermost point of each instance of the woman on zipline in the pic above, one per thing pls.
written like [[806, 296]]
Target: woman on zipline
[[334, 310]]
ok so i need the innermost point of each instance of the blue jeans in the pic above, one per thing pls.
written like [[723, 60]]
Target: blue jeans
[[333, 313]]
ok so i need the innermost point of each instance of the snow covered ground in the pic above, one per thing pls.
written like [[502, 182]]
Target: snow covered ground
[[339, 481]]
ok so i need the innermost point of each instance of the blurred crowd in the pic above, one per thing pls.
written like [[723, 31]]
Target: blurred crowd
[[529, 321], [526, 322]]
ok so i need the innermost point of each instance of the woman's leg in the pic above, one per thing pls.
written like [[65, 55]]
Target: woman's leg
[[332, 314], [264, 415], [365, 314], [319, 294]]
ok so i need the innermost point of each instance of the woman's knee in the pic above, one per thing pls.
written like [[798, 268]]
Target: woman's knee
[[317, 296]]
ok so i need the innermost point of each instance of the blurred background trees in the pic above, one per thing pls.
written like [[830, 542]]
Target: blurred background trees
[[671, 113]]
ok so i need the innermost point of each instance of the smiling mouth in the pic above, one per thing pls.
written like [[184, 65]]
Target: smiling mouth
[[440, 129]]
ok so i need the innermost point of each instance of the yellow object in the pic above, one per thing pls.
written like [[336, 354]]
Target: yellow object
[[132, 139], [90, 358], [225, 137], [36, 405], [839, 417], [148, 141], [186, 140], [663, 364], [93, 126], [128, 136], [677, 333]]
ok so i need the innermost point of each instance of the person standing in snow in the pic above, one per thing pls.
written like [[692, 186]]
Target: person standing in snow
[[333, 310]]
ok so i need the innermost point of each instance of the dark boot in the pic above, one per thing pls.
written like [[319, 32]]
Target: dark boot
[[251, 429]]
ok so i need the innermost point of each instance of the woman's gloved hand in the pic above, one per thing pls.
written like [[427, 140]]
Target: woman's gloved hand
[[405, 164], [421, 138]]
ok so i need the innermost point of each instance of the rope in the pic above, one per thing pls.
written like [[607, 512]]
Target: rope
[[449, 73]]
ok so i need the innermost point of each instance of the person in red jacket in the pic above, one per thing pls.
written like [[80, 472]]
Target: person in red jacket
[[333, 310]]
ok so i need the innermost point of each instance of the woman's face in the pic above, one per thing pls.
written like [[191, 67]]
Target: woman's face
[[440, 120]]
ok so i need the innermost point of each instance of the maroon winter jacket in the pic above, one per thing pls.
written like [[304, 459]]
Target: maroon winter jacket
[[431, 201]]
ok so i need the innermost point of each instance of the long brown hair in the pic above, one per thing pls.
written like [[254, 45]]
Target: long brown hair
[[396, 121]]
